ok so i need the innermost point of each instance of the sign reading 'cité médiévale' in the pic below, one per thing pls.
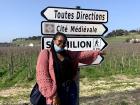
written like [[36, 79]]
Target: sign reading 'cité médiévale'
[[51, 28]]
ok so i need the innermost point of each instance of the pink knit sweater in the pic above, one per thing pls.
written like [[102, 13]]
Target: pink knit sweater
[[45, 71]]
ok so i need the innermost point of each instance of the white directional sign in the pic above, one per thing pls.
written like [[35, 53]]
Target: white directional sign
[[73, 14], [79, 44], [51, 28]]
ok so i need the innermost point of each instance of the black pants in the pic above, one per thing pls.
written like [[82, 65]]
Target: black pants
[[68, 93]]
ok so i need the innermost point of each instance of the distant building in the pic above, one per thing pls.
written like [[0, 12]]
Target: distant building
[[134, 41], [31, 45]]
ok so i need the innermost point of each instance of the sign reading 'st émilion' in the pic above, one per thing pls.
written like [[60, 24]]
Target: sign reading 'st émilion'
[[83, 27]]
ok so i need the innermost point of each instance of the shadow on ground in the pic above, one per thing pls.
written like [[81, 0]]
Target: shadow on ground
[[118, 98]]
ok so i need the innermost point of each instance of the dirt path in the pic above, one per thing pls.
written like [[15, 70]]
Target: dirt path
[[117, 84], [13, 91], [119, 91], [15, 96], [119, 98]]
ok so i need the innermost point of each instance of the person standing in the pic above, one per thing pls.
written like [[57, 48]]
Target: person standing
[[56, 71]]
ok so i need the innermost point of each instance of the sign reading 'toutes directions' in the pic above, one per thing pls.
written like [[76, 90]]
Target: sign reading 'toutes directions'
[[51, 28], [73, 14], [79, 44]]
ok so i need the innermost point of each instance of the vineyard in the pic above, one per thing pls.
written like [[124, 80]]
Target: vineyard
[[120, 68], [121, 58], [17, 65]]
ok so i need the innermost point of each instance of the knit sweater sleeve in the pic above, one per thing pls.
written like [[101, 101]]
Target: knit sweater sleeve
[[85, 57], [42, 75]]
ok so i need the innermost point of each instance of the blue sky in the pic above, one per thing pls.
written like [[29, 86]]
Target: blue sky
[[21, 18]]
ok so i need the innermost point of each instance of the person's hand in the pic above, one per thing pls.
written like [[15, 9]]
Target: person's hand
[[56, 101]]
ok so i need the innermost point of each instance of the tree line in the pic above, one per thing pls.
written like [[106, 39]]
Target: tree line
[[29, 38], [117, 32], [121, 32]]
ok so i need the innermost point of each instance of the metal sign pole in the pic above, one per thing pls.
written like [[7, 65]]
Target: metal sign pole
[[78, 84], [78, 76]]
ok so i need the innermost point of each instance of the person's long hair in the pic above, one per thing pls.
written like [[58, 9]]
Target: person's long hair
[[55, 58], [65, 54]]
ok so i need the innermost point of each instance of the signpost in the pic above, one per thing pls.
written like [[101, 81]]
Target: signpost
[[83, 27], [51, 28], [75, 15]]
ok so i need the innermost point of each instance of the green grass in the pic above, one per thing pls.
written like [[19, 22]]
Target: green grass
[[20, 77]]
